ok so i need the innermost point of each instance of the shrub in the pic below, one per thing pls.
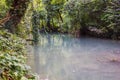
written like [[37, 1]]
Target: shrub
[[12, 58]]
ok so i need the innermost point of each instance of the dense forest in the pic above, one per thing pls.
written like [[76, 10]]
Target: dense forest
[[99, 18], [19, 19]]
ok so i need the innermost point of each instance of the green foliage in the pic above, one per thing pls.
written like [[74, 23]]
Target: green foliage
[[4, 7], [12, 57], [100, 14], [56, 16], [35, 25], [74, 15], [10, 43], [12, 67], [111, 17], [69, 16]]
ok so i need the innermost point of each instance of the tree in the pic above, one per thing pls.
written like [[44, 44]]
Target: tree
[[53, 12], [14, 15], [112, 18]]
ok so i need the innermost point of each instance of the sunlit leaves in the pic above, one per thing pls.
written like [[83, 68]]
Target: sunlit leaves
[[10, 43], [12, 66], [3, 8], [12, 59], [57, 1]]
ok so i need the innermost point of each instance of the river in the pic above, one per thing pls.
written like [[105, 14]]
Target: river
[[63, 57]]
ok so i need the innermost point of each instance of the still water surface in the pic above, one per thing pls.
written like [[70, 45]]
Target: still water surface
[[62, 57]]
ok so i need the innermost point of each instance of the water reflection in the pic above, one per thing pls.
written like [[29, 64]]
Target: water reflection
[[62, 57], [36, 59]]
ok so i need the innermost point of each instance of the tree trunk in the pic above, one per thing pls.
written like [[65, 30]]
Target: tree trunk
[[14, 15]]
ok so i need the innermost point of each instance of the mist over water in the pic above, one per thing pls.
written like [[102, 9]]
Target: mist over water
[[63, 57]]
